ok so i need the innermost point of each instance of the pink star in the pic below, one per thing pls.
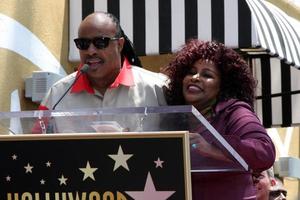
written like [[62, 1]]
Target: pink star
[[159, 163], [150, 192]]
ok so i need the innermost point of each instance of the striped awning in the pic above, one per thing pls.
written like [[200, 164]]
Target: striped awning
[[162, 26], [277, 32]]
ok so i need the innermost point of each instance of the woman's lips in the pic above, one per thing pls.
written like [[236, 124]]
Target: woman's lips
[[194, 88]]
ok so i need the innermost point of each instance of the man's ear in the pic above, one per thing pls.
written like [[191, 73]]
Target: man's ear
[[273, 182], [121, 43]]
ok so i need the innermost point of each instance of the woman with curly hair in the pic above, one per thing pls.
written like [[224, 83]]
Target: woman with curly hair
[[219, 84]]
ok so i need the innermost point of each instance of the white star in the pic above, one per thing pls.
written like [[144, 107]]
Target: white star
[[62, 180], [48, 164], [42, 181], [8, 178], [158, 163], [120, 159], [150, 192], [88, 171], [28, 168], [14, 157]]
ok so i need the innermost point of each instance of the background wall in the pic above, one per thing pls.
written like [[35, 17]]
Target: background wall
[[287, 143], [48, 21], [292, 9]]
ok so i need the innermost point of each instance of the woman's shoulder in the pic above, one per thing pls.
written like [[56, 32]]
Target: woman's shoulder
[[231, 105], [236, 113]]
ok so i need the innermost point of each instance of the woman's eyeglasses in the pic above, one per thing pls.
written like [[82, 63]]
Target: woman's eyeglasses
[[98, 42]]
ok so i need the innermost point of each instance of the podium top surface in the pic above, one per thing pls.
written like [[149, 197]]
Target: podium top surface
[[126, 120]]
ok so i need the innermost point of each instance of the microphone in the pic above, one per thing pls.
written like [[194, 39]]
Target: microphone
[[83, 70]]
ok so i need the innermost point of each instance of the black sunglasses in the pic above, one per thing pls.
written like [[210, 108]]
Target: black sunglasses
[[98, 42]]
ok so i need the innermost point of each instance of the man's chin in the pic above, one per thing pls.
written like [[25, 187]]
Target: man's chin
[[95, 67], [95, 75]]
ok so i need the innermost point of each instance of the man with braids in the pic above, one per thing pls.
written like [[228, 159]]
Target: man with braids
[[112, 79], [219, 84]]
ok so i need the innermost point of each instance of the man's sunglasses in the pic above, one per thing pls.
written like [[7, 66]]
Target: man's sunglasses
[[98, 42]]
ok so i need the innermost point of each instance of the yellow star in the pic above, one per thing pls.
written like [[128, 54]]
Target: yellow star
[[88, 171], [62, 180], [42, 181], [48, 164], [14, 157], [8, 178], [120, 159], [28, 168]]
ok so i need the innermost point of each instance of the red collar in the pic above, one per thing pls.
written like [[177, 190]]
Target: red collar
[[125, 77]]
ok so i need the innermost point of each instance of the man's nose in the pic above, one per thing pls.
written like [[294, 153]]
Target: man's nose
[[92, 49]]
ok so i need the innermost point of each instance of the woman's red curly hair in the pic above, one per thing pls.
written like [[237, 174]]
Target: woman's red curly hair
[[237, 80]]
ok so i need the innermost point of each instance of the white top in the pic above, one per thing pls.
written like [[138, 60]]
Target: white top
[[147, 91]]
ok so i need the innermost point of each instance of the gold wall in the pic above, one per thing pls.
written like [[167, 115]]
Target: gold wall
[[48, 21], [287, 143], [292, 9]]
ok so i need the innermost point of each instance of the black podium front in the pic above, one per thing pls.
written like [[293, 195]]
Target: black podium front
[[109, 153]]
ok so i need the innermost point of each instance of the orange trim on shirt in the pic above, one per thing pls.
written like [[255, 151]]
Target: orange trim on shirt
[[125, 77], [42, 107], [82, 83]]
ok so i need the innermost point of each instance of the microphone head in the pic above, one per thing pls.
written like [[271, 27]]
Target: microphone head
[[84, 68]]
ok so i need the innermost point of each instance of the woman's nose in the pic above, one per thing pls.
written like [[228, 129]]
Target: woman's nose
[[196, 76]]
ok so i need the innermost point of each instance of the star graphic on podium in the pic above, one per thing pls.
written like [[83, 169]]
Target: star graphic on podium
[[159, 163], [150, 192], [14, 157], [120, 159], [28, 168], [88, 171], [62, 180]]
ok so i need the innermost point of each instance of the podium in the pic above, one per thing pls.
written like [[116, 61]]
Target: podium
[[107, 153]]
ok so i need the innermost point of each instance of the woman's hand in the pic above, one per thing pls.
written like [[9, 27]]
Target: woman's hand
[[201, 146]]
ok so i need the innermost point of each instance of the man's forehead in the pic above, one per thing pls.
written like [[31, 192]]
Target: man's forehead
[[98, 19], [98, 22]]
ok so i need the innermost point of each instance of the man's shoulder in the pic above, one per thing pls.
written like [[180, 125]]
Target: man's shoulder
[[147, 75], [65, 80]]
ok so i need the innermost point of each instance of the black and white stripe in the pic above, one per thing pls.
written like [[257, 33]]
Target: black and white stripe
[[277, 32], [162, 26], [278, 91]]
